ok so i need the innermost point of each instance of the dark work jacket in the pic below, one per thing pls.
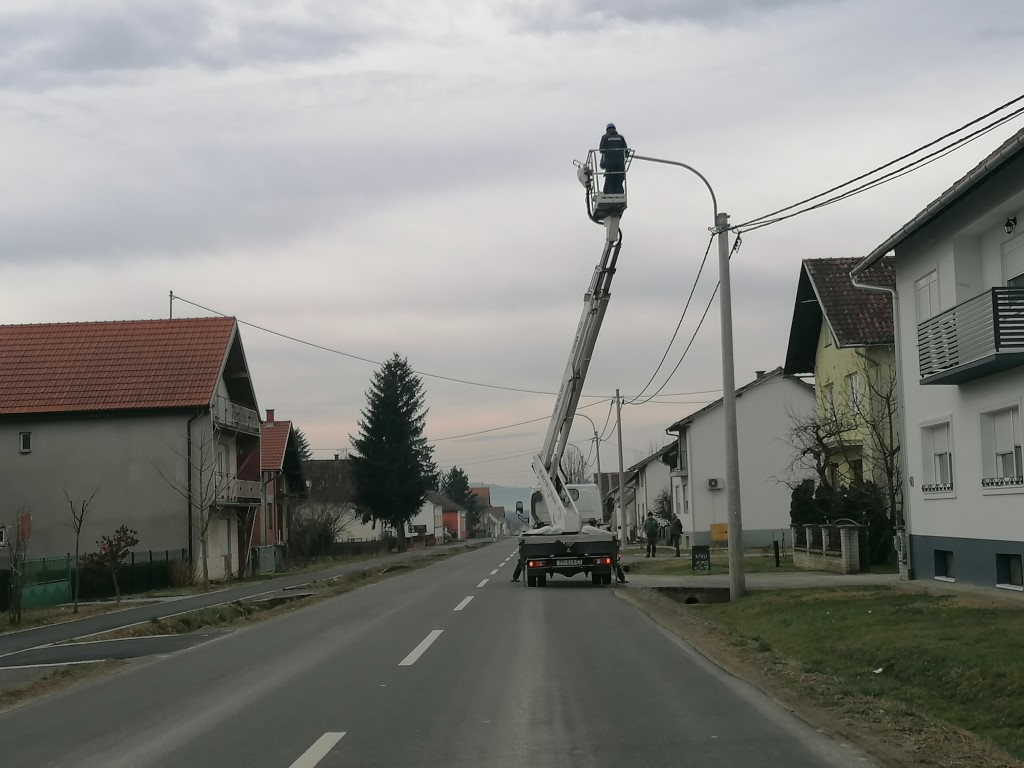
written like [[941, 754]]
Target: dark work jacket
[[613, 152]]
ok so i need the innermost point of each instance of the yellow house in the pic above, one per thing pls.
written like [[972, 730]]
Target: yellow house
[[843, 336]]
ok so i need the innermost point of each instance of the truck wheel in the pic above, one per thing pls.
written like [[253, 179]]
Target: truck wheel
[[596, 579], [531, 580], [607, 579], [542, 579]]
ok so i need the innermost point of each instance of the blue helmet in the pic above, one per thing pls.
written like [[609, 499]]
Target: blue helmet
[[610, 126]]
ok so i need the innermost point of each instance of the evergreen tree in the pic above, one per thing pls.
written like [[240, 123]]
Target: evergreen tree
[[455, 485], [305, 451], [393, 466]]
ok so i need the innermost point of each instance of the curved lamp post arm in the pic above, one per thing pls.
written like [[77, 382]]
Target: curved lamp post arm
[[691, 169]]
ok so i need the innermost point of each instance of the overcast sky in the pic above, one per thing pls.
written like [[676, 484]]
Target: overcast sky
[[396, 176]]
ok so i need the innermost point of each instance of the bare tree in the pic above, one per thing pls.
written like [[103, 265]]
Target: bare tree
[[314, 522], [17, 551], [79, 508], [662, 506], [878, 411], [206, 495], [113, 550], [574, 466]]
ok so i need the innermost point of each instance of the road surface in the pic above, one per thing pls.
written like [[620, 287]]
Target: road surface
[[449, 666]]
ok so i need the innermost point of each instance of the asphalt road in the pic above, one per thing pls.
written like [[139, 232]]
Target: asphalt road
[[437, 667]]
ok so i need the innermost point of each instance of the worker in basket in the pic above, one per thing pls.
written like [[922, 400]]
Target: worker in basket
[[613, 161]]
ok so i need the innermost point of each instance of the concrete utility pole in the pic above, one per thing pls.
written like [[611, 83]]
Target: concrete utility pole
[[622, 474], [737, 582]]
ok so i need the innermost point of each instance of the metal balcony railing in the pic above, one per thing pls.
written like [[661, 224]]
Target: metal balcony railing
[[231, 490], [229, 415], [979, 337]]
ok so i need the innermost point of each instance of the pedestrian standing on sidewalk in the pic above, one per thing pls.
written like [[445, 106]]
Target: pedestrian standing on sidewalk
[[651, 528], [675, 532]]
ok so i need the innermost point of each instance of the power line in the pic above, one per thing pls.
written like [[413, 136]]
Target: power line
[[749, 224], [679, 325], [506, 426], [774, 217]]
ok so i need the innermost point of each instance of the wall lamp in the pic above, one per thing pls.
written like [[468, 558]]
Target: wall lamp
[[1010, 225]]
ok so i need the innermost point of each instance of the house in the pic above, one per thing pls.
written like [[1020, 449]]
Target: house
[[843, 336], [960, 349], [428, 523], [159, 417], [453, 520], [330, 482], [765, 409], [649, 478], [283, 480], [492, 518]]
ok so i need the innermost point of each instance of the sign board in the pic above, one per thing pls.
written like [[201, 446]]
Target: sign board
[[418, 528], [700, 557], [720, 533]]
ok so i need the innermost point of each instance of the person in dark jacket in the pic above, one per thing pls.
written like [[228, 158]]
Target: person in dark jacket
[[651, 529], [613, 160], [676, 532]]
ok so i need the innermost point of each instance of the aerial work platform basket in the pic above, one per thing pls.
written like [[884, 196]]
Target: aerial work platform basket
[[606, 189]]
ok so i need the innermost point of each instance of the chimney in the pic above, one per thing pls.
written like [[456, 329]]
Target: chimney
[[759, 374], [270, 415]]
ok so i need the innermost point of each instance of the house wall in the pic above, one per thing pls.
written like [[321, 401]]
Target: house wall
[[763, 417], [832, 366], [653, 479], [121, 456], [138, 463], [965, 246]]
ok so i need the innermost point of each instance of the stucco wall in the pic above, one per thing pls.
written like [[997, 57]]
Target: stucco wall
[[764, 420]]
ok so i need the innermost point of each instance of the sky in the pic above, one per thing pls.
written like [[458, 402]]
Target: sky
[[397, 176]]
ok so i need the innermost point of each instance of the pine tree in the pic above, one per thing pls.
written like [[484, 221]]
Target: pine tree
[[393, 466], [455, 485], [305, 451]]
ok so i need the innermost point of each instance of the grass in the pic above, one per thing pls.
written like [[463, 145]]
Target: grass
[[56, 681], [943, 656]]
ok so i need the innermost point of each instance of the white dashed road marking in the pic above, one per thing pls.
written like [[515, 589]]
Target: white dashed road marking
[[464, 603], [318, 751], [418, 651], [482, 583]]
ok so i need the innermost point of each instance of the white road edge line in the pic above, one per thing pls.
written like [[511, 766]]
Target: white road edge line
[[494, 571], [418, 651], [318, 751], [464, 603], [482, 583]]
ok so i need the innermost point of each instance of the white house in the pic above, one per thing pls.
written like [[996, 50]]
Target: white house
[[429, 520], [648, 478], [765, 409], [960, 343]]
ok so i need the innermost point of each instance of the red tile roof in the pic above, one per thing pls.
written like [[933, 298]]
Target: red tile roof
[[858, 318], [482, 494], [273, 442], [111, 366]]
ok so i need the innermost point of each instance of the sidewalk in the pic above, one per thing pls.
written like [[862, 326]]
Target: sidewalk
[[14, 642]]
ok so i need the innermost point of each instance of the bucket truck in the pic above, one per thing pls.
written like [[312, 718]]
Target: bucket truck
[[564, 538]]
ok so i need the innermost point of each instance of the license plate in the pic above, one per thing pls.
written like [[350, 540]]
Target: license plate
[[569, 561]]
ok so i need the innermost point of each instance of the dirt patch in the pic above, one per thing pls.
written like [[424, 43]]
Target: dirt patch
[[887, 730]]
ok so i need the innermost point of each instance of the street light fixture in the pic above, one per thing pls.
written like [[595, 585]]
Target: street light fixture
[[737, 582], [597, 449]]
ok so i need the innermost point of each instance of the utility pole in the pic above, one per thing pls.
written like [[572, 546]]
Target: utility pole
[[170, 314], [622, 474], [737, 580]]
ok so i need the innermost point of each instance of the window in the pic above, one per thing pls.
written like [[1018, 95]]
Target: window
[[927, 289], [833, 474], [25, 442], [1001, 448], [937, 461], [1013, 263], [857, 470], [1009, 572], [944, 565], [853, 392], [828, 399]]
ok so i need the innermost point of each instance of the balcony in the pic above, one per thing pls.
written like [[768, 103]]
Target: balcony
[[231, 490], [235, 417], [982, 336]]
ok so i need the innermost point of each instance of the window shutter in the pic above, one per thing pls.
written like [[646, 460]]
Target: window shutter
[[1004, 431]]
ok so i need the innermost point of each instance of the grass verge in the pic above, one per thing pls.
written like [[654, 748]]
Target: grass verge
[[57, 681], [667, 565], [914, 679]]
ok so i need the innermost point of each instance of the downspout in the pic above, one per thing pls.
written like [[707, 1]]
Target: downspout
[[188, 462], [905, 468]]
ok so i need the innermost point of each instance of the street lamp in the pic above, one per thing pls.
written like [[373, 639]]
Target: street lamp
[[737, 583]]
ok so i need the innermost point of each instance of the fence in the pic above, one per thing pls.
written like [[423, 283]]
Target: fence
[[49, 581], [827, 548]]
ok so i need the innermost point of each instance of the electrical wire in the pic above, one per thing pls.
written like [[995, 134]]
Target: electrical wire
[[914, 165], [505, 426], [965, 126], [679, 325]]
